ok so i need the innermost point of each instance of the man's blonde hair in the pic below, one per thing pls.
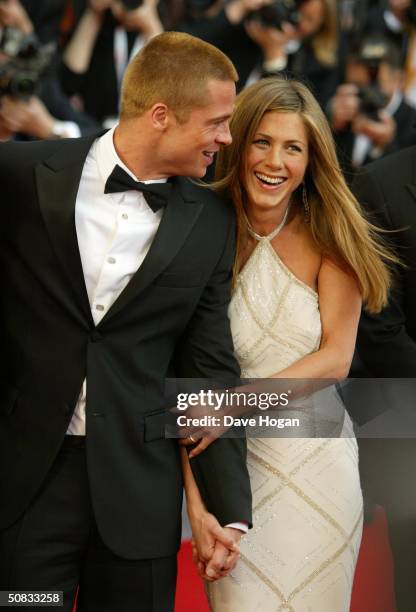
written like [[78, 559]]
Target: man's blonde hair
[[173, 68]]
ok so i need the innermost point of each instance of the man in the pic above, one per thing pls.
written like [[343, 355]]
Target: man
[[369, 115], [104, 290], [386, 346]]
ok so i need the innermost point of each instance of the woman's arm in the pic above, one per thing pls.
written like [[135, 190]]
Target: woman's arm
[[78, 52], [340, 308]]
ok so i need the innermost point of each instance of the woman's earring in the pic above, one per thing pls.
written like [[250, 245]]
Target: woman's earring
[[306, 207]]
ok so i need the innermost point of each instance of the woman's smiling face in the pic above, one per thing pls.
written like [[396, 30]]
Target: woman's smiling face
[[277, 159]]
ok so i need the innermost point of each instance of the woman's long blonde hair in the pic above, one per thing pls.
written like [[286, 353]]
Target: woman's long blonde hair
[[337, 224]]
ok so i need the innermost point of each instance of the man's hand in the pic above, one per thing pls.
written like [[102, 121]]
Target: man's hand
[[237, 10], [13, 14], [29, 117], [271, 41], [144, 19], [381, 132], [214, 549], [399, 8], [99, 6]]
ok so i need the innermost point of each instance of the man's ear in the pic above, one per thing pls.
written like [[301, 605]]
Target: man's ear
[[160, 116]]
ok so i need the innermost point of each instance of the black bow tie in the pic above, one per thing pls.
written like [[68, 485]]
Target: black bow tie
[[155, 194]]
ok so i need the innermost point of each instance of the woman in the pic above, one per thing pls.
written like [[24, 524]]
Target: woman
[[306, 259]]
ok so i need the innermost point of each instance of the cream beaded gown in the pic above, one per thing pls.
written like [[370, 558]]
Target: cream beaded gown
[[300, 555]]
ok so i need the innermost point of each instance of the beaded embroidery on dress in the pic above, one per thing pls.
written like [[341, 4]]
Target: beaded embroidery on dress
[[301, 554]]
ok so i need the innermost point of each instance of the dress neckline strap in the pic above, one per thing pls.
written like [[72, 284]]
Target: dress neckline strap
[[272, 234]]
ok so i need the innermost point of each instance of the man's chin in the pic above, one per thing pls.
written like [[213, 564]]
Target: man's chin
[[199, 174]]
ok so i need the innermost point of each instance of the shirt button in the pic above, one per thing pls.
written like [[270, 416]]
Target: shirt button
[[111, 260], [99, 307], [124, 216]]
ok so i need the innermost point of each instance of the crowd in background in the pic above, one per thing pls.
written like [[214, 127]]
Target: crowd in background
[[62, 61]]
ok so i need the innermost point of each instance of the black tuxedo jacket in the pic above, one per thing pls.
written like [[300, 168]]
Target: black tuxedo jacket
[[174, 308], [387, 189]]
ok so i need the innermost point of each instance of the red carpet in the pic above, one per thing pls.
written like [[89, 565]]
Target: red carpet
[[373, 583]]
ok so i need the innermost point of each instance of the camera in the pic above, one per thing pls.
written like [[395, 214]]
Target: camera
[[372, 100], [372, 52], [131, 5], [26, 62], [276, 13]]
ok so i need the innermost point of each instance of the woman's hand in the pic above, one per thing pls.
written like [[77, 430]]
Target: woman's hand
[[199, 442], [215, 549]]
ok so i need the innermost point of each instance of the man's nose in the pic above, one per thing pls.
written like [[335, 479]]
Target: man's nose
[[224, 135]]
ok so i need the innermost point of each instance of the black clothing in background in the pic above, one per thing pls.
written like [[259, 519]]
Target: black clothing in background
[[98, 86], [386, 347]]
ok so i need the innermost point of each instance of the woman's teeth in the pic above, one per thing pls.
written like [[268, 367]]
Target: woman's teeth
[[269, 179]]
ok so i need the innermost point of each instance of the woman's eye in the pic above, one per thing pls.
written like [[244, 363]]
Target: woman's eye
[[261, 141], [295, 148]]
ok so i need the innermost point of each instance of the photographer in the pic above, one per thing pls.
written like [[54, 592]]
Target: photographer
[[304, 43], [32, 105], [108, 34], [369, 116], [396, 21]]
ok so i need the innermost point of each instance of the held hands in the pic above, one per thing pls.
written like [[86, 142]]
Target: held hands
[[215, 549]]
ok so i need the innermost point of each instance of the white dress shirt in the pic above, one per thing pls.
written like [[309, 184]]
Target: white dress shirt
[[114, 231]]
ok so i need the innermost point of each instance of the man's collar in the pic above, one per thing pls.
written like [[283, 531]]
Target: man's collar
[[107, 158]]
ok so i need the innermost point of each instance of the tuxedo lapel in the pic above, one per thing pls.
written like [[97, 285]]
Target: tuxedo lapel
[[178, 219], [57, 181]]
